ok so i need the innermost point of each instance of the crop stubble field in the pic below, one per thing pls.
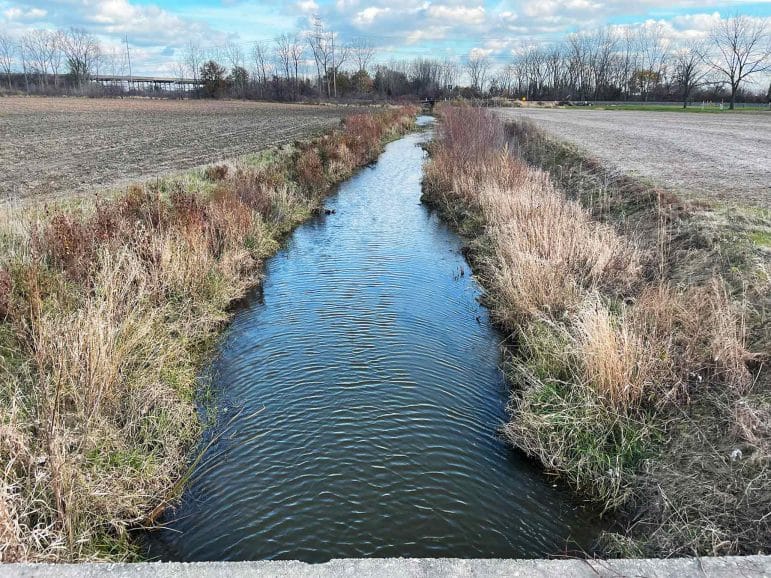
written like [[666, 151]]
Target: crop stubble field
[[725, 157], [51, 147]]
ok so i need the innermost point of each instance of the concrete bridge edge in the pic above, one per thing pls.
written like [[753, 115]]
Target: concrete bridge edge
[[719, 567]]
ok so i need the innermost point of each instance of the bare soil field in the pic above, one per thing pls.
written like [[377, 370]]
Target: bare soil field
[[726, 157], [53, 147]]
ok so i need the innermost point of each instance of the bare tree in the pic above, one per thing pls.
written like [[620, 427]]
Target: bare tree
[[233, 54], [322, 47], [629, 61], [742, 49], [554, 59], [35, 44], [503, 80], [115, 61], [179, 68], [81, 50], [578, 65], [426, 74], [56, 55], [193, 58], [362, 52], [7, 54], [283, 50], [449, 74], [24, 63], [689, 72], [43, 49], [235, 58], [99, 56], [534, 64], [340, 55], [261, 58], [477, 67], [654, 52], [328, 54], [602, 48], [297, 50]]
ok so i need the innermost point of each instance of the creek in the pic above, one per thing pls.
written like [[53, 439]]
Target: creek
[[363, 395]]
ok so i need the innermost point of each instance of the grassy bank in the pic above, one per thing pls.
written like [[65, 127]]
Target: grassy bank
[[633, 324], [107, 311]]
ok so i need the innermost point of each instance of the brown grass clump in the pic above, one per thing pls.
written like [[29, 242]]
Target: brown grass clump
[[471, 141], [6, 294], [332, 157], [617, 363], [541, 272], [106, 313], [632, 387], [216, 172], [68, 243], [706, 342], [310, 170]]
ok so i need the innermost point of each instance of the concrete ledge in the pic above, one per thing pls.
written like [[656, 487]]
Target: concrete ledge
[[728, 567]]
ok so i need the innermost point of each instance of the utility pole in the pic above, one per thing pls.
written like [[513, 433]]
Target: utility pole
[[128, 58], [318, 39]]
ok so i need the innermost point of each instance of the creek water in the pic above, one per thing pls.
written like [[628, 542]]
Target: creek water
[[362, 394]]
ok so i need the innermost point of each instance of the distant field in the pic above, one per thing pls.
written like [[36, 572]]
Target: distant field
[[693, 107], [722, 157], [59, 146]]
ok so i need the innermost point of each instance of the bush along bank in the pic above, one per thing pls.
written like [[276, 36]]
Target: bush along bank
[[631, 379], [107, 312]]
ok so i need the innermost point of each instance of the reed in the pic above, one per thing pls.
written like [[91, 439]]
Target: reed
[[608, 357], [109, 309]]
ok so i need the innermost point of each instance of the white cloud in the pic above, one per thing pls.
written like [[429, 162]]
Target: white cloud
[[16, 13], [369, 15], [696, 22], [116, 12], [456, 14], [427, 33], [307, 6], [477, 52]]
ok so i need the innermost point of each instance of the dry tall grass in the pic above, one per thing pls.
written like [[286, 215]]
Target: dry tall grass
[[107, 313], [608, 355]]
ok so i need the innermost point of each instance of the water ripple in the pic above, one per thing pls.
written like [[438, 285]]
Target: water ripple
[[377, 369]]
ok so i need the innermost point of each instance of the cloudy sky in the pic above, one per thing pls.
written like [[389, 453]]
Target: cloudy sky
[[157, 30]]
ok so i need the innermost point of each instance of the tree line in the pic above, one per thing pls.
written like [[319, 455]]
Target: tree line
[[280, 69], [643, 64], [49, 60], [609, 64]]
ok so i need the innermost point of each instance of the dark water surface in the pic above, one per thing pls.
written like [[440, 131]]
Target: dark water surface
[[377, 370]]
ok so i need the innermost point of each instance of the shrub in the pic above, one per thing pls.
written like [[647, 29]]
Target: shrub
[[141, 205], [216, 172], [188, 210], [67, 243], [310, 171]]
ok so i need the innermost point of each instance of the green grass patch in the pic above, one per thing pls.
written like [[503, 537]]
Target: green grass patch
[[761, 238], [692, 107]]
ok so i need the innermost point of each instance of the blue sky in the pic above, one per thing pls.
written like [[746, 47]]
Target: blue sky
[[158, 30]]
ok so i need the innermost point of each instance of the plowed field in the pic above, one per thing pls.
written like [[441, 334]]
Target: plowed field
[[52, 147]]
